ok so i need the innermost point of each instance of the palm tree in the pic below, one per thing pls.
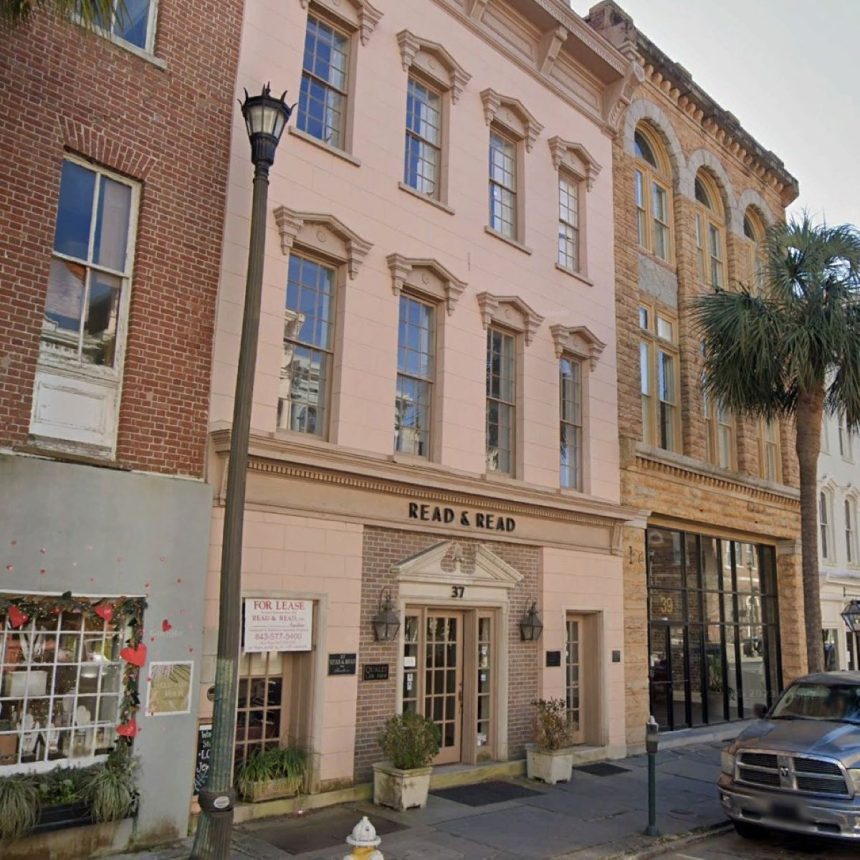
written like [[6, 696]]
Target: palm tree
[[792, 349], [91, 13]]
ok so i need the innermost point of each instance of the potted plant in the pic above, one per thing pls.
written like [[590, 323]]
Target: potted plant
[[410, 742], [272, 773], [110, 791], [19, 806], [550, 758]]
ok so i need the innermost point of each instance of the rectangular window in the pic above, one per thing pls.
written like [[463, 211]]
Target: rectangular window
[[769, 456], [716, 254], [700, 247], [844, 438], [641, 236], [423, 139], [503, 185], [415, 360], [132, 21], [646, 388], [824, 524], [568, 222], [666, 392], [308, 347], [570, 397], [259, 707], [660, 208], [850, 544], [501, 401], [725, 438], [658, 379], [323, 93], [90, 267], [62, 686]]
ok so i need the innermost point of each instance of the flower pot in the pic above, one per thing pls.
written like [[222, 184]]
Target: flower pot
[[549, 766], [400, 789], [272, 789]]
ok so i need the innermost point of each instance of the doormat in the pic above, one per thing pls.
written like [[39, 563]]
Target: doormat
[[485, 793], [602, 768], [317, 831]]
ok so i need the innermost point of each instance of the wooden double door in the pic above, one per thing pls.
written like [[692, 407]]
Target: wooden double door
[[448, 675]]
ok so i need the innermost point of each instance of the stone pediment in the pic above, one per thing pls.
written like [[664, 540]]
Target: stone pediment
[[427, 566]]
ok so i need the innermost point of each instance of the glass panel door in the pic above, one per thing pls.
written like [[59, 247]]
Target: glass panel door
[[443, 693], [485, 670], [573, 675]]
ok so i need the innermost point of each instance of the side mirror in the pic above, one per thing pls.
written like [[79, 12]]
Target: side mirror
[[760, 711]]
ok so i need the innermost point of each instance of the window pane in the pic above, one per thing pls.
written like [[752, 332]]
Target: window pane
[[414, 378], [423, 135], [74, 213], [571, 423], [500, 401], [502, 167], [324, 81], [130, 22], [112, 217], [100, 328], [64, 304]]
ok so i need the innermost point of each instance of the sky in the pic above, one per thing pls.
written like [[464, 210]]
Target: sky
[[789, 70]]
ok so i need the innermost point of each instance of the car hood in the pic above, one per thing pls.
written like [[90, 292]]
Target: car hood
[[807, 737]]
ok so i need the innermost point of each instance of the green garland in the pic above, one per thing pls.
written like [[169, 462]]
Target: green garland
[[126, 612]]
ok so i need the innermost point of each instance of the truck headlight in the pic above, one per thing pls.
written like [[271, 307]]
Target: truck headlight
[[854, 776], [727, 763]]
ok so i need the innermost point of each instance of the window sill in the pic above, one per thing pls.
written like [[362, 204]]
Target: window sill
[[431, 200], [405, 459], [128, 46], [326, 147], [574, 274], [500, 478], [71, 452], [507, 239]]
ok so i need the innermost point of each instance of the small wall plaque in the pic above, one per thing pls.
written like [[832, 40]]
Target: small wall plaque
[[375, 671], [616, 656], [341, 664], [553, 658]]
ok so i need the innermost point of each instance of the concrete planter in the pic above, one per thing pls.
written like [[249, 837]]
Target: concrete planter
[[400, 789], [91, 840], [550, 766], [272, 789]]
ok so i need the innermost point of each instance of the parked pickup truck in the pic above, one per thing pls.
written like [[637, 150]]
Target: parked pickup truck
[[797, 768]]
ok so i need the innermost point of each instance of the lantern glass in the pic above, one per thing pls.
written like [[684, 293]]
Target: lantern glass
[[851, 616], [531, 625], [265, 114], [386, 622]]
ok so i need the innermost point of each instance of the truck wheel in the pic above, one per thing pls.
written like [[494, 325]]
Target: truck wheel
[[749, 831]]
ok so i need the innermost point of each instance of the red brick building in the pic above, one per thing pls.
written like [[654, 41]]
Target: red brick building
[[114, 147]]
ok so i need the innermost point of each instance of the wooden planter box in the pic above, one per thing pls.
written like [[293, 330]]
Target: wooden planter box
[[62, 816], [273, 789]]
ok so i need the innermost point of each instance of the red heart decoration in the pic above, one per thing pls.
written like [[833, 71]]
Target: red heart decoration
[[105, 610], [17, 617], [127, 730], [135, 656], [166, 625]]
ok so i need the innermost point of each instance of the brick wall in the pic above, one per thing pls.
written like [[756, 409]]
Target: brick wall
[[69, 90], [384, 548]]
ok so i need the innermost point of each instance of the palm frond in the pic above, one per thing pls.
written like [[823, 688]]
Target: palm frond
[[91, 13]]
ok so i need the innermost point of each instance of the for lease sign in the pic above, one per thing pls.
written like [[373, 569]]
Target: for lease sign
[[277, 624]]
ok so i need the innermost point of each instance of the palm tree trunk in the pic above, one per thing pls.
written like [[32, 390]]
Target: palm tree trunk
[[810, 408]]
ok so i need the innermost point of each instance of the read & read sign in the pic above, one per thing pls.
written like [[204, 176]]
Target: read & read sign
[[277, 624]]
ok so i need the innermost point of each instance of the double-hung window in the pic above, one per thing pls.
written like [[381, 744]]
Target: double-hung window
[[306, 367], [754, 232], [423, 159], [501, 401], [503, 184], [770, 467], [824, 524], [658, 365], [325, 82], [844, 438], [415, 371], [710, 233], [568, 222], [651, 183], [850, 533], [570, 403], [132, 21]]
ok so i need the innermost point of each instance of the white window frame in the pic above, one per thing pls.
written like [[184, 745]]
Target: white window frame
[[152, 18], [845, 442], [850, 513], [512, 404], [825, 525], [574, 423]]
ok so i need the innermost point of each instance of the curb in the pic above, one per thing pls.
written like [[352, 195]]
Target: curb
[[670, 843]]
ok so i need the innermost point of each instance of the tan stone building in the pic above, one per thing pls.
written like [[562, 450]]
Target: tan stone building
[[713, 611], [438, 313]]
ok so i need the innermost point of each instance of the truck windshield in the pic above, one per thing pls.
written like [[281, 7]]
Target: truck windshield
[[840, 702]]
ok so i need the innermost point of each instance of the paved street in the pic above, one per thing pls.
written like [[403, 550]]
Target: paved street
[[725, 845]]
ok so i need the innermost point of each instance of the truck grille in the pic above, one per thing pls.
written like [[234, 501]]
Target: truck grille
[[793, 773]]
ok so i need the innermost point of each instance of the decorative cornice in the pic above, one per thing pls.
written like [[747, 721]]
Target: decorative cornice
[[578, 340], [498, 108], [490, 305], [457, 76], [559, 148], [401, 267], [291, 223]]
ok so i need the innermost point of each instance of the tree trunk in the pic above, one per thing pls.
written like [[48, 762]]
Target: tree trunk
[[810, 409]]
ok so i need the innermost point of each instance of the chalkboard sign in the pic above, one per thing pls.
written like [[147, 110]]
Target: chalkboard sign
[[204, 747], [375, 671], [341, 664]]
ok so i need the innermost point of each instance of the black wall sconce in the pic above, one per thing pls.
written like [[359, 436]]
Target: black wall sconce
[[386, 622], [531, 626]]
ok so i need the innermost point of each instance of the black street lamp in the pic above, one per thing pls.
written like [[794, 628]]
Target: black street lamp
[[265, 117], [531, 626], [386, 622]]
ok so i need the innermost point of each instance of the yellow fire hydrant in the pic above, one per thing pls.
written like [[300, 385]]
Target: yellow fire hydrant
[[364, 841]]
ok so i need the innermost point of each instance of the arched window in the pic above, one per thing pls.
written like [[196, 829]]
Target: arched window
[[652, 183], [710, 232], [754, 232]]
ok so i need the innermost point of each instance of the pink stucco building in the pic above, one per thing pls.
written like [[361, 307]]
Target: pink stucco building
[[435, 415]]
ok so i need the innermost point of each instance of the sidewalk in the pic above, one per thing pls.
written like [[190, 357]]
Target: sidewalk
[[592, 816]]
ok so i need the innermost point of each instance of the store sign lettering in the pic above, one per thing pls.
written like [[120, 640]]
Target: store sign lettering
[[470, 519]]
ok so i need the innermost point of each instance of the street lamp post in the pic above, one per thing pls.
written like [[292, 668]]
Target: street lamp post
[[851, 617], [265, 118]]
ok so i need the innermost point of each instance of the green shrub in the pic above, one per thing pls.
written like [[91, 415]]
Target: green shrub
[[410, 740], [110, 791], [280, 763], [552, 726], [19, 806]]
